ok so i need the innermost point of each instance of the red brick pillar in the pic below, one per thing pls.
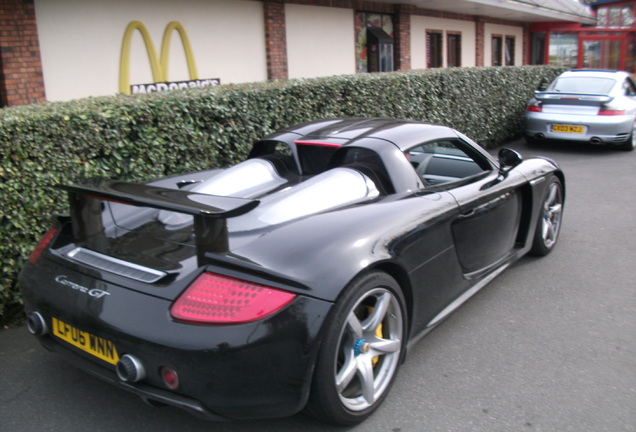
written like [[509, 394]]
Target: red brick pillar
[[275, 40], [479, 41], [402, 33], [21, 78], [525, 54]]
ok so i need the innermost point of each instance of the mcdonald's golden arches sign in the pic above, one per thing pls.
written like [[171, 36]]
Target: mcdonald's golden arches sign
[[159, 66]]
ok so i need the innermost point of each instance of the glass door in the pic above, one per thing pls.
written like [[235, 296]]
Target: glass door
[[602, 52]]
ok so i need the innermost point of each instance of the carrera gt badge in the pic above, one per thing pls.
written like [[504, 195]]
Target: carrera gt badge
[[94, 292]]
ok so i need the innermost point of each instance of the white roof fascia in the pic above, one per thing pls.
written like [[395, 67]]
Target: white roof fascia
[[565, 10]]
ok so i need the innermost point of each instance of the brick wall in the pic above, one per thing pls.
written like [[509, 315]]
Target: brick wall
[[21, 79], [402, 32], [525, 54], [275, 40], [480, 33]]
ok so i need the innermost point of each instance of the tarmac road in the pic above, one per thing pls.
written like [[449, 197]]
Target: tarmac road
[[550, 345]]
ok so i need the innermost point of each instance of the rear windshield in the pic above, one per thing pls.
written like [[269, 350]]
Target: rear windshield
[[590, 85], [314, 158]]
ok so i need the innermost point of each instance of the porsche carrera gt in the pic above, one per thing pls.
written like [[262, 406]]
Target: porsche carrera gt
[[295, 280]]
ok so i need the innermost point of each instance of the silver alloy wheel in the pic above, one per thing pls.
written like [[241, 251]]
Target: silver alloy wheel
[[369, 349], [552, 210]]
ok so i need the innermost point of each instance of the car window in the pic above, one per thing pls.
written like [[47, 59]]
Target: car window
[[591, 85], [368, 162], [278, 152], [442, 161], [629, 88]]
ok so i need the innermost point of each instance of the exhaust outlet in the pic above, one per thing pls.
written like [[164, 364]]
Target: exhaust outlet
[[596, 140], [36, 324], [130, 369], [539, 136]]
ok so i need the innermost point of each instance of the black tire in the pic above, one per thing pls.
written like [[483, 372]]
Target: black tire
[[629, 144], [361, 351], [550, 217], [631, 141]]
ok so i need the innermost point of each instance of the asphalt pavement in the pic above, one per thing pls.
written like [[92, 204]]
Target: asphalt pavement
[[549, 345]]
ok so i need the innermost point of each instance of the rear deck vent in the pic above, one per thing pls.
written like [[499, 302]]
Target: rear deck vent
[[114, 265]]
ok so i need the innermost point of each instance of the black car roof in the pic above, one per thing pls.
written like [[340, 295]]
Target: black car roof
[[346, 131]]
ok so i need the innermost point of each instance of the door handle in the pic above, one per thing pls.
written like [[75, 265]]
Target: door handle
[[483, 208], [467, 214]]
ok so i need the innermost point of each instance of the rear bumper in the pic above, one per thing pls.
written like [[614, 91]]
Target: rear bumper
[[152, 395], [261, 369], [598, 129]]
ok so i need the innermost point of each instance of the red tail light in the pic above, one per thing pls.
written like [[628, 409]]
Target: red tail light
[[42, 244], [606, 112], [216, 299], [534, 108]]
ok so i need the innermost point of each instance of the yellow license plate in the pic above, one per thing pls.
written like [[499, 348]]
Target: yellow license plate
[[100, 348], [568, 128]]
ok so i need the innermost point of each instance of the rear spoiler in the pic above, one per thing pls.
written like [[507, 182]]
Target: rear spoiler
[[545, 96], [210, 211]]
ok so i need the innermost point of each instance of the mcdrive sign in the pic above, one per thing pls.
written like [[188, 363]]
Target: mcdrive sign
[[158, 65]]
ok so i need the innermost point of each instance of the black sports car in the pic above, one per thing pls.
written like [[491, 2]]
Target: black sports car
[[295, 279]]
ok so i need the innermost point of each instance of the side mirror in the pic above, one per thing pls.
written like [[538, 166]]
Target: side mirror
[[508, 159]]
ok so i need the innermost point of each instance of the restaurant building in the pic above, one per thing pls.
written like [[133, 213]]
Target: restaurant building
[[68, 49], [610, 43]]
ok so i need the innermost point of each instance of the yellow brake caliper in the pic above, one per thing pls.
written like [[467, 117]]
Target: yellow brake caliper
[[378, 334]]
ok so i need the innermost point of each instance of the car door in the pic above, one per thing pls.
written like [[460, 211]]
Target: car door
[[485, 231], [490, 204]]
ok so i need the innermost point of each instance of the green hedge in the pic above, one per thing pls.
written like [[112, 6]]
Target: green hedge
[[143, 137]]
